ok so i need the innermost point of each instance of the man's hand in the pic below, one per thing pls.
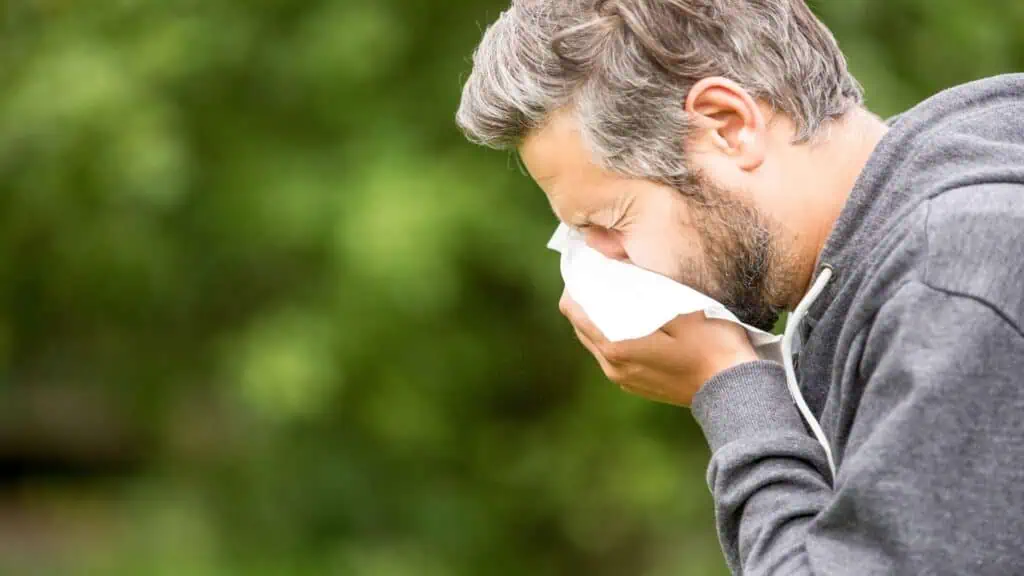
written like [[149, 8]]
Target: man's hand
[[670, 365]]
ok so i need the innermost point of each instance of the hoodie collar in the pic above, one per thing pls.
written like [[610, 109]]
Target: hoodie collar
[[867, 212]]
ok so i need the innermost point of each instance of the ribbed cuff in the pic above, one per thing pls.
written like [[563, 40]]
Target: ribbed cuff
[[746, 400]]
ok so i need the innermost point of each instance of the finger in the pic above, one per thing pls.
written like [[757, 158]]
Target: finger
[[580, 320], [642, 350], [680, 325], [649, 350], [621, 376], [618, 375], [606, 366]]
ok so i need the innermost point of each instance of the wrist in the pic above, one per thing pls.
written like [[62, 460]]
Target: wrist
[[749, 400], [723, 362]]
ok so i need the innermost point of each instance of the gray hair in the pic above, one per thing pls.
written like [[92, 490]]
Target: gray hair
[[625, 67]]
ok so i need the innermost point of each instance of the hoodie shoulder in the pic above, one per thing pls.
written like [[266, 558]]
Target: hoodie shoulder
[[975, 245]]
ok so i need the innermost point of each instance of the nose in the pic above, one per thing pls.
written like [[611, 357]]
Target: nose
[[607, 242]]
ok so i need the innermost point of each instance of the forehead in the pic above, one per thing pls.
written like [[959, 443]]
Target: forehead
[[557, 158]]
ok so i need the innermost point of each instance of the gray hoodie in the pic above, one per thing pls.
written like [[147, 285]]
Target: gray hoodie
[[912, 360]]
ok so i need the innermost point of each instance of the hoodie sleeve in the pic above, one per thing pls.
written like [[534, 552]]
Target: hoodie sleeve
[[930, 480]]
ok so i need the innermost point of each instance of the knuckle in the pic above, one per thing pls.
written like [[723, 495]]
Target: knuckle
[[613, 353]]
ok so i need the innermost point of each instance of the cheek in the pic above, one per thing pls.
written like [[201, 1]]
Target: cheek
[[665, 242], [659, 253], [661, 237]]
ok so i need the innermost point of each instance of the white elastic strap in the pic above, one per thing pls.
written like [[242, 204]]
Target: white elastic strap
[[792, 325]]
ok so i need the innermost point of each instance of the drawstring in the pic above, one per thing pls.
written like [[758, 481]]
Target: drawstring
[[792, 325]]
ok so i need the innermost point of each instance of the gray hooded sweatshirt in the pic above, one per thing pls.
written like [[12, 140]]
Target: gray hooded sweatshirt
[[912, 360]]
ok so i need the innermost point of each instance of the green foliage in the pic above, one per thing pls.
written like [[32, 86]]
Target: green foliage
[[321, 326]]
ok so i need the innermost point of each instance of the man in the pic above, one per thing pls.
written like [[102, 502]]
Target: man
[[723, 143]]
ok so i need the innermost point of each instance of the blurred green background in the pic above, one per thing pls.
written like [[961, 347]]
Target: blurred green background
[[262, 310]]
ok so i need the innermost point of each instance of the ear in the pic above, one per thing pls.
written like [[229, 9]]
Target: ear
[[729, 120]]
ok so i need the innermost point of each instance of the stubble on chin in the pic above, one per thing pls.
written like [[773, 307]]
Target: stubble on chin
[[744, 263]]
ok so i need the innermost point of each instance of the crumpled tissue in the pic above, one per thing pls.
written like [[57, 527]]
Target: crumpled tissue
[[627, 302]]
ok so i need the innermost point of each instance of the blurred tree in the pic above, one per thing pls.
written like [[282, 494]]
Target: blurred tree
[[262, 310]]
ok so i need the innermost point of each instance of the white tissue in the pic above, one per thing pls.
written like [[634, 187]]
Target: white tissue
[[627, 302]]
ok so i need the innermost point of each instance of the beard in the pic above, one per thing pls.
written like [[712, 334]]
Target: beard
[[744, 264]]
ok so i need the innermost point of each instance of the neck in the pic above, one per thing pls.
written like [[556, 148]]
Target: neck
[[843, 155]]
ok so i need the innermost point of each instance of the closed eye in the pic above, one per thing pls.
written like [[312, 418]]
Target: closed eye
[[605, 241]]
